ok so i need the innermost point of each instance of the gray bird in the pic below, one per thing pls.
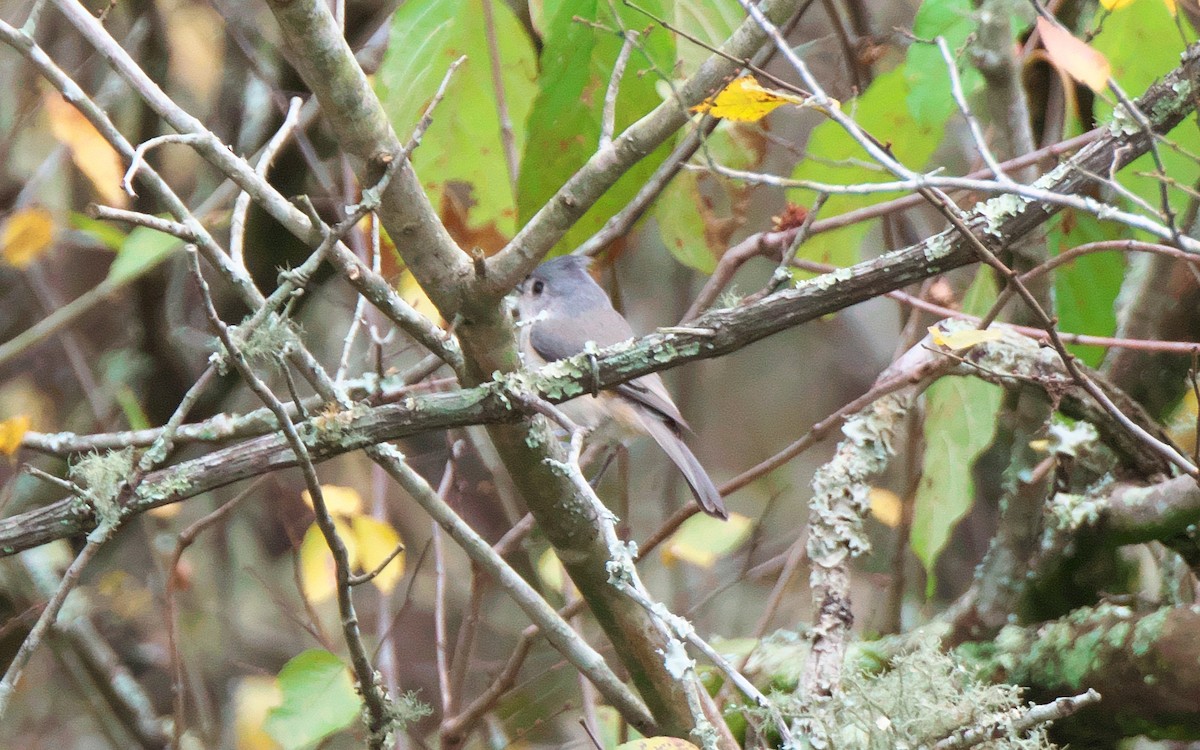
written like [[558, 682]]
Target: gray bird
[[561, 309]]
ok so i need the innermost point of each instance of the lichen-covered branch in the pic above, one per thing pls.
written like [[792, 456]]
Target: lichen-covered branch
[[840, 503], [1133, 658]]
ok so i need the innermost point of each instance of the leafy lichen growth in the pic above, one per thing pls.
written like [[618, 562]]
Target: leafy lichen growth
[[924, 697], [937, 247], [175, 484], [1123, 122], [841, 494], [332, 426], [100, 476], [998, 209]]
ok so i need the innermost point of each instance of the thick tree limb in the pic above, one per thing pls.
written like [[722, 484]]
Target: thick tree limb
[[1132, 658]]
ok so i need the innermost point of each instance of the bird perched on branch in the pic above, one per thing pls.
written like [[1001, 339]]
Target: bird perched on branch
[[562, 309]]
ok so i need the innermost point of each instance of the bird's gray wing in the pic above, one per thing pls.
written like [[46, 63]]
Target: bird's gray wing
[[649, 391], [556, 339], [565, 336]]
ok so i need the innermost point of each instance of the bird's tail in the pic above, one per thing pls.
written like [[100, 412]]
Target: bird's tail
[[699, 483]]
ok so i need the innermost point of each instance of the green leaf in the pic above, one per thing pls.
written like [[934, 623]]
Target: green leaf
[[463, 145], [929, 99], [1142, 43], [709, 21], [564, 124], [881, 112], [680, 223], [318, 700], [698, 212], [703, 540], [142, 250], [960, 417], [102, 231], [1086, 289]]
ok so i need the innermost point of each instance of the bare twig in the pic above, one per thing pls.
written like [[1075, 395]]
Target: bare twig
[[608, 118], [511, 158], [241, 207], [1030, 718]]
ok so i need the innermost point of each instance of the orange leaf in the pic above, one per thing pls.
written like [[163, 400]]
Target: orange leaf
[[94, 155], [1079, 60], [745, 100], [12, 431], [26, 236]]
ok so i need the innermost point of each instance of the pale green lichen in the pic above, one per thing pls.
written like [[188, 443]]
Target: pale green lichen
[[1122, 123], [925, 696], [1148, 631], [831, 279], [560, 380], [271, 339], [1070, 511], [100, 477], [174, 485], [333, 426], [937, 247], [676, 659], [841, 494], [1051, 179], [998, 209]]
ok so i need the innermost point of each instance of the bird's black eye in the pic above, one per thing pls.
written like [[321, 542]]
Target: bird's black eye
[[538, 286]]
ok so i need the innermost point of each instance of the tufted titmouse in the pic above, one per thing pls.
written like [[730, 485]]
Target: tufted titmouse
[[561, 309]]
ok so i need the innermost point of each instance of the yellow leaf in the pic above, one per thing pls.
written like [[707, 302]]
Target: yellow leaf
[[412, 293], [124, 595], [375, 540], [964, 338], [27, 234], [886, 507], [12, 431], [1172, 5], [340, 501], [745, 100], [1114, 4], [253, 699], [94, 156], [318, 576], [702, 539], [1181, 425], [1080, 61], [196, 38], [550, 569]]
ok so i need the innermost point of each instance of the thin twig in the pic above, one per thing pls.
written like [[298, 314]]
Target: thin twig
[[157, 223], [139, 154], [439, 595], [372, 693], [241, 206], [185, 539], [507, 139], [608, 118]]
